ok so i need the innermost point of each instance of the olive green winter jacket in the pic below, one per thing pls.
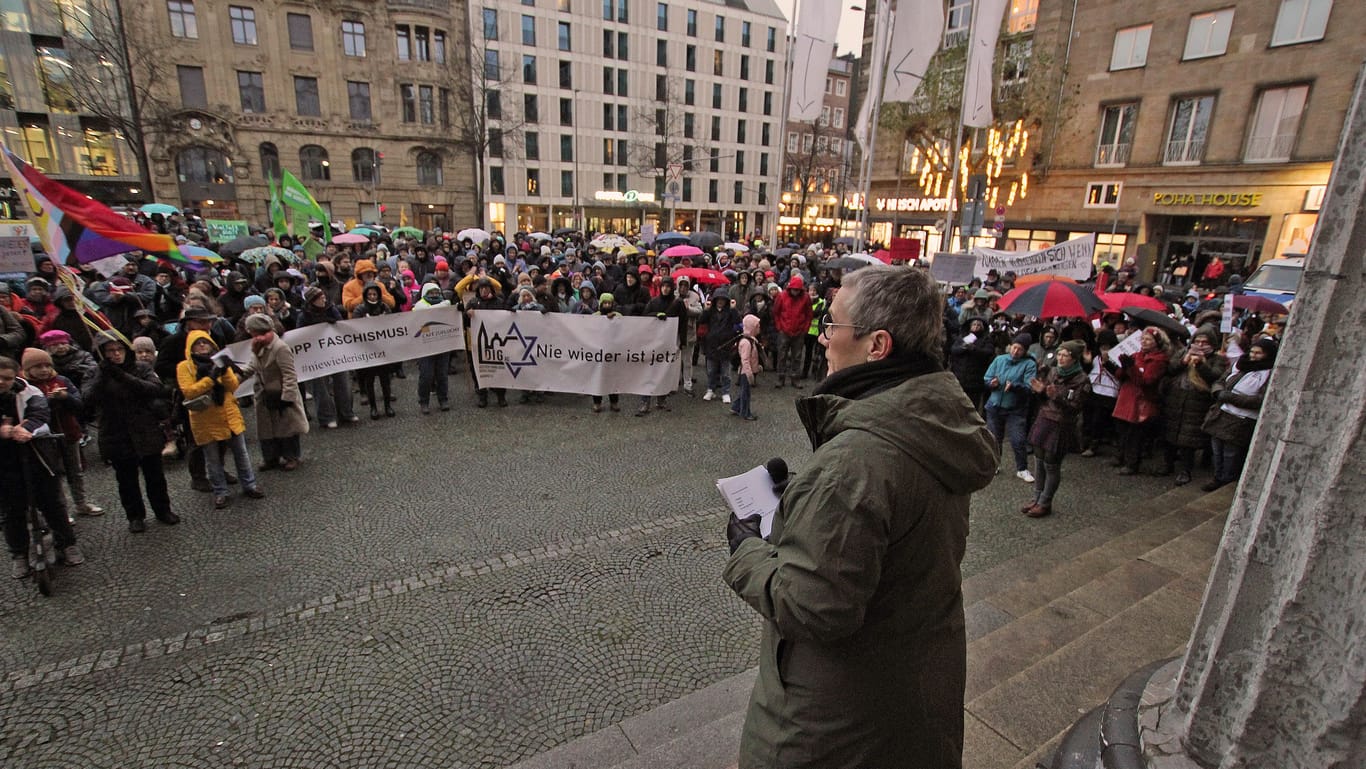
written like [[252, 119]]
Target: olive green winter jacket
[[864, 651]]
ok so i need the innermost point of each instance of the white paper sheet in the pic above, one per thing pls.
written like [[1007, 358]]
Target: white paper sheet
[[751, 493]]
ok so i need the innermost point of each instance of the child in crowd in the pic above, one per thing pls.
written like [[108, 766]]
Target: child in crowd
[[64, 409], [748, 347]]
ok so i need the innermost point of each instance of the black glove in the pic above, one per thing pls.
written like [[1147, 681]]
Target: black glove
[[738, 530], [777, 470]]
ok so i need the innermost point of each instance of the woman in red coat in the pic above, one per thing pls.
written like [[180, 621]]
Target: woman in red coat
[[1139, 401]]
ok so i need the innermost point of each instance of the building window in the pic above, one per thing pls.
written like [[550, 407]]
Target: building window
[[745, 28], [720, 29], [744, 68], [567, 112], [192, 93], [421, 44], [766, 135], [531, 111], [608, 44], [690, 58], [202, 165], [768, 72], [741, 130], [740, 162], [36, 145], [763, 193], [763, 164], [353, 38], [54, 68], [662, 17], [439, 47], [445, 107], [531, 145], [429, 169], [407, 95], [490, 24], [1275, 124], [825, 116], [739, 192], [838, 117], [300, 31], [567, 148], [1131, 47], [363, 168], [791, 141], [716, 96], [712, 195], [622, 46], [623, 77], [183, 21], [529, 70], [960, 18], [97, 154], [566, 42], [403, 43], [718, 63], [493, 105], [495, 142], [772, 44], [689, 125], [1301, 21], [716, 128], [1189, 126], [251, 87], [306, 96], [662, 53], [493, 71], [243, 23], [528, 30], [1022, 16], [692, 23], [566, 184], [313, 164], [496, 180], [687, 189], [768, 102], [1208, 34], [1116, 134], [744, 100], [270, 160], [533, 182], [841, 87], [426, 104], [609, 118], [566, 74], [358, 100], [689, 92]]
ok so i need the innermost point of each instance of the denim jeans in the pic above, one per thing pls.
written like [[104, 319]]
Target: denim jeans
[[332, 397], [789, 355], [741, 404], [1010, 423], [213, 462], [432, 374], [1228, 460], [718, 373]]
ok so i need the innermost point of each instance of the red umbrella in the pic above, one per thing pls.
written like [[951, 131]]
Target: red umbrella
[[674, 252], [1052, 299], [1119, 301], [1254, 303], [701, 275]]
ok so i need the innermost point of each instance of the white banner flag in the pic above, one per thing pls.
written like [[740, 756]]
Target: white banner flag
[[1072, 258], [586, 354], [987, 16], [916, 35], [329, 348], [813, 46], [863, 129]]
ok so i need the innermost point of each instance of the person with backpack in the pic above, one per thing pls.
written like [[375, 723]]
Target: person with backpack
[[723, 324], [750, 366]]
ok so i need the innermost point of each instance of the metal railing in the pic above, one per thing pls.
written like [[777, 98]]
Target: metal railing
[[1113, 154], [1184, 151]]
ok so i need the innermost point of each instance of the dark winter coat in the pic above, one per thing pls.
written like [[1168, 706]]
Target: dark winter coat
[[863, 659], [969, 362], [131, 403], [721, 321], [1186, 404]]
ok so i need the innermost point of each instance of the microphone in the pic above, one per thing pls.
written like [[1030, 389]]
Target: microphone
[[777, 470]]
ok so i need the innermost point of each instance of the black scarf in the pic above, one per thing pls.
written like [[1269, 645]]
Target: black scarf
[[868, 379], [1245, 364]]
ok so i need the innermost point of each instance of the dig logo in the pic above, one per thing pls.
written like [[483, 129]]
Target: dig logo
[[512, 349]]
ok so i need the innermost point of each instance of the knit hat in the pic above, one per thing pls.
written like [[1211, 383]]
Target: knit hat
[[312, 293], [49, 338], [144, 344], [606, 298], [1076, 347], [1023, 339], [255, 300], [1209, 332], [258, 324], [33, 357]]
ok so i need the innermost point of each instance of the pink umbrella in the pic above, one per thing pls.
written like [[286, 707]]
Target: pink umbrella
[[673, 252], [349, 239]]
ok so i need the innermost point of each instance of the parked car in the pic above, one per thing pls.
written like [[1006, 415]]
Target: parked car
[[1276, 279]]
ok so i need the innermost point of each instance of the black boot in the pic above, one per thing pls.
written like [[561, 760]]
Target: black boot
[[374, 411], [483, 400], [389, 410]]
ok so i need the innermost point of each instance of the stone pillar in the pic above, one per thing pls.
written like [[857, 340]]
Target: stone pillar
[[1275, 675]]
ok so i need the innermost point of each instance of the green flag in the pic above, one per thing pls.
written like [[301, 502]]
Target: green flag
[[297, 197], [277, 210]]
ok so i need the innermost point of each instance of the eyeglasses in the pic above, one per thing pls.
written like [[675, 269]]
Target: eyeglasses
[[824, 325]]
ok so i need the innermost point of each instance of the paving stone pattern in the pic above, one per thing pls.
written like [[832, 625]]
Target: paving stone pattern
[[466, 590]]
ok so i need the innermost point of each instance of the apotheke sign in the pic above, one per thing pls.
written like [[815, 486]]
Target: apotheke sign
[[911, 204], [1219, 199], [629, 196]]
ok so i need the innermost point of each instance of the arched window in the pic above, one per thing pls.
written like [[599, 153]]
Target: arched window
[[270, 161], [313, 164], [429, 169], [203, 165], [363, 168]]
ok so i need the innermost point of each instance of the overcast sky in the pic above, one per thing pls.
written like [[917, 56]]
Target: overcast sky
[[851, 23]]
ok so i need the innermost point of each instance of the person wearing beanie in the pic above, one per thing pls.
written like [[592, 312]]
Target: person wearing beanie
[[1139, 401], [132, 407], [70, 361], [1062, 391], [65, 410], [1239, 394], [280, 418], [219, 420], [1188, 395], [1008, 380], [607, 307], [145, 350]]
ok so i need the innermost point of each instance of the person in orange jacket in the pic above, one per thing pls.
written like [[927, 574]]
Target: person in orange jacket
[[353, 293]]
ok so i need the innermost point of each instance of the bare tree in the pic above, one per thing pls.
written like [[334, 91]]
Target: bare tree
[[487, 127], [676, 136], [816, 165], [125, 89]]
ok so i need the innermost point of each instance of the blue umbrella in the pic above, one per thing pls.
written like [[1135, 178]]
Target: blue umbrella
[[670, 239]]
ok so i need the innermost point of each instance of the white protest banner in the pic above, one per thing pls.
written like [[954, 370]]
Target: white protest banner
[[16, 255], [1072, 258], [587, 354], [329, 348]]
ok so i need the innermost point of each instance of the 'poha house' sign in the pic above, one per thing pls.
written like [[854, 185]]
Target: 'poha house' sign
[[1218, 199]]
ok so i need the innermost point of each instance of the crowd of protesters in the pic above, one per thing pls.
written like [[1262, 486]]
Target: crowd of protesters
[[132, 358]]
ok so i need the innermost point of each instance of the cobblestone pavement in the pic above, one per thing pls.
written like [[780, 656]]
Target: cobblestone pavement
[[466, 590]]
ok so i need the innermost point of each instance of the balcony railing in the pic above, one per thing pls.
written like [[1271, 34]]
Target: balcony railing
[[1184, 152], [1113, 154], [1270, 149]]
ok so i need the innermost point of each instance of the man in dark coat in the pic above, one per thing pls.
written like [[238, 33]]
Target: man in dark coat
[[864, 654]]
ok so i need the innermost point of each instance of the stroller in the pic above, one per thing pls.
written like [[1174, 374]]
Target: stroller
[[45, 455]]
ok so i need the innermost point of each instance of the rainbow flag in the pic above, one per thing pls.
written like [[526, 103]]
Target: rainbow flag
[[71, 225]]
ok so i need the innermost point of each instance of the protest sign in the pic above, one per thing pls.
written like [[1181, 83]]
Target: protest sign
[[586, 354], [16, 255], [954, 269], [1129, 345], [1072, 259], [225, 230], [330, 348]]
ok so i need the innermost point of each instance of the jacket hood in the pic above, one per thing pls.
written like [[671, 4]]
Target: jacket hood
[[364, 266], [107, 336], [796, 282], [750, 325], [195, 336], [936, 426]]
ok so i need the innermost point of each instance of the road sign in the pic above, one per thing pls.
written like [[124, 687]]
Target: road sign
[[674, 173], [999, 225]]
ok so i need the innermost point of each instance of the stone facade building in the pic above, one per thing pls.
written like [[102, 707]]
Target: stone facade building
[[360, 100], [818, 163]]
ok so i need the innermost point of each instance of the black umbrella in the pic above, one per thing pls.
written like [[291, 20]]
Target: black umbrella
[[706, 239], [666, 239], [844, 263], [851, 242], [562, 231], [784, 251], [1154, 318], [238, 245]]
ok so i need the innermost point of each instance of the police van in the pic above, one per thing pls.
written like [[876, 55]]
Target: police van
[[1276, 279]]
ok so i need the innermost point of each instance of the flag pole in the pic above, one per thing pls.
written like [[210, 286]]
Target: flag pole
[[958, 146], [877, 75]]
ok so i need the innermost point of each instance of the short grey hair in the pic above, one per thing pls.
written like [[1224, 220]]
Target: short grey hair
[[903, 301]]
